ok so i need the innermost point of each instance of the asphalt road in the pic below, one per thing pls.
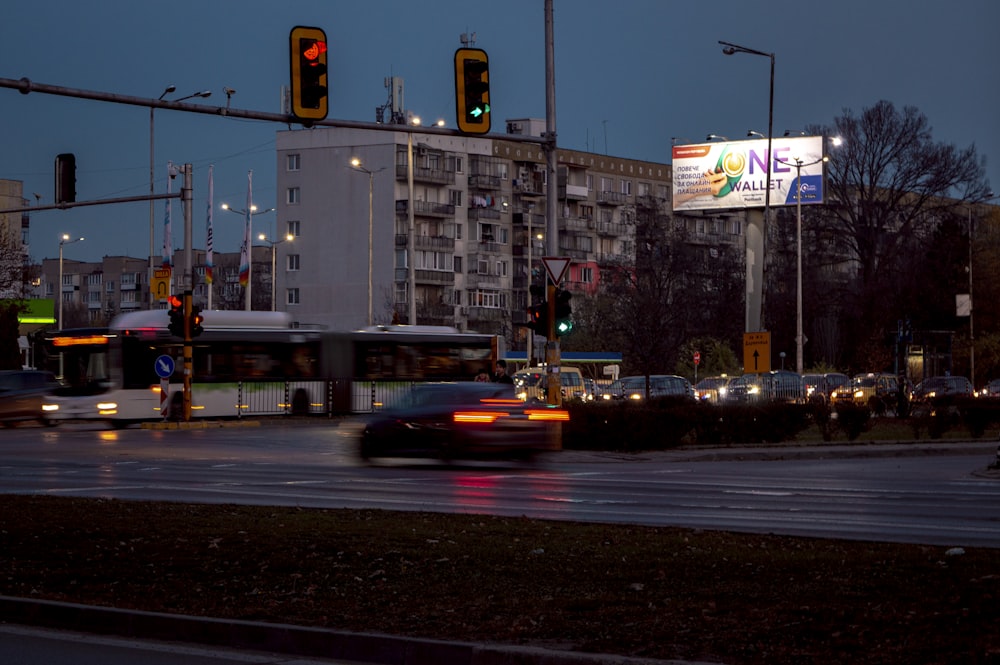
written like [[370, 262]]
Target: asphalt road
[[929, 492]]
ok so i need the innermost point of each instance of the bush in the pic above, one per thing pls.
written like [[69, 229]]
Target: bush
[[853, 419]]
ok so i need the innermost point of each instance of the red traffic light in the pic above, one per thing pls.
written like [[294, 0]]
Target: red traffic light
[[175, 302], [313, 52]]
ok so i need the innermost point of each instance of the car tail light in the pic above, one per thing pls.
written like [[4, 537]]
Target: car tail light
[[547, 414], [478, 416]]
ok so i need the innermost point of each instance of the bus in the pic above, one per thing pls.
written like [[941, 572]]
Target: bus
[[248, 363]]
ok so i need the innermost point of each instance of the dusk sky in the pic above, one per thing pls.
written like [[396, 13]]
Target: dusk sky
[[630, 75]]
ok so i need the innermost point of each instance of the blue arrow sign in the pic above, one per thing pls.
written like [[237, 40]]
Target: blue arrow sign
[[164, 366]]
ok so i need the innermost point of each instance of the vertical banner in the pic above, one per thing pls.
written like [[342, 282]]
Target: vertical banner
[[209, 277], [168, 243], [245, 247]]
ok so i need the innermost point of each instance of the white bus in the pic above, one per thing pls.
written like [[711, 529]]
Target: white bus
[[249, 363]]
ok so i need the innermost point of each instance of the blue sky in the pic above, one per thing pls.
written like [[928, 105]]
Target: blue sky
[[630, 75]]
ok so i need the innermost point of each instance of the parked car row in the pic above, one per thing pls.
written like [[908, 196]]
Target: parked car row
[[22, 395]]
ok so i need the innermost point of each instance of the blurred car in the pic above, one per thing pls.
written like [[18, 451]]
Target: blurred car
[[461, 421], [876, 390], [660, 385], [778, 385], [712, 389], [819, 387], [531, 384], [592, 391], [942, 386], [22, 394], [992, 389]]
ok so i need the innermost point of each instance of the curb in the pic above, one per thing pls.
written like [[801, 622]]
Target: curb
[[289, 639], [201, 424]]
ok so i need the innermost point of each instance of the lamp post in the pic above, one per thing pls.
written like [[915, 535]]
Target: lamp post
[[731, 49], [248, 215], [273, 243], [166, 91], [152, 226], [799, 164], [531, 279], [64, 240], [356, 166]]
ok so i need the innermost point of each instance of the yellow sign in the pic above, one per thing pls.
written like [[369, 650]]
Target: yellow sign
[[756, 352], [161, 284]]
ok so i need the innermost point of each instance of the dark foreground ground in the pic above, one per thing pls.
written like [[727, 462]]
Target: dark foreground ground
[[640, 591]]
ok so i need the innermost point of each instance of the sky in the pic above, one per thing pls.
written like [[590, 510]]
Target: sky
[[631, 75]]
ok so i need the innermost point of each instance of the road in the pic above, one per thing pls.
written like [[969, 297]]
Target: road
[[920, 498]]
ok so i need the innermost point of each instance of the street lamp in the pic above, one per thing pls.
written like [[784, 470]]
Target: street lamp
[[273, 243], [531, 241], [356, 166], [249, 217], [799, 165], [712, 137], [64, 240], [152, 226], [731, 49]]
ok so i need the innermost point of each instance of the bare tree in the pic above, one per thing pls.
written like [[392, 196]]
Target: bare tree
[[890, 185]]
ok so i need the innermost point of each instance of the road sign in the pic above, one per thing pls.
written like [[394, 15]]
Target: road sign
[[756, 352], [556, 267], [697, 357], [161, 283], [164, 366]]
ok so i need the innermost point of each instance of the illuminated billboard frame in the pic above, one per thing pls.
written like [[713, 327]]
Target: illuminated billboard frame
[[733, 174]]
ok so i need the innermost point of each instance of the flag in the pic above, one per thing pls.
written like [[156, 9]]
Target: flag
[[245, 248], [168, 243], [208, 223]]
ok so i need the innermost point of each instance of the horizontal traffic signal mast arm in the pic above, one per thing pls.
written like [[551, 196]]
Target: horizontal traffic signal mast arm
[[26, 86]]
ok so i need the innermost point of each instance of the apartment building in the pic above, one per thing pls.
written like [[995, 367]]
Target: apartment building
[[478, 208]]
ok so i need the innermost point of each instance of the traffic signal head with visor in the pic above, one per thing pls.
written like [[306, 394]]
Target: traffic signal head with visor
[[472, 90], [563, 311], [308, 57], [176, 325]]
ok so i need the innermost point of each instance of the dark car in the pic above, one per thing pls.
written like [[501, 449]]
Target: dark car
[[660, 385], [819, 387], [22, 393], [461, 421], [778, 385], [942, 386]]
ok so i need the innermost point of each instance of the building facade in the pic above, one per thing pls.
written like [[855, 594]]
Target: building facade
[[478, 218]]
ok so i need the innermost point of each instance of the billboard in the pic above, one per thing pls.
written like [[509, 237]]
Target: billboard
[[717, 176]]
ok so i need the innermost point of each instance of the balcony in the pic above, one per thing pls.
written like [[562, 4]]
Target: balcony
[[529, 187], [576, 224], [614, 259], [475, 280], [433, 242], [611, 229], [425, 208], [575, 192], [522, 219], [427, 276], [573, 253], [483, 214], [479, 181], [487, 314], [422, 174], [611, 198]]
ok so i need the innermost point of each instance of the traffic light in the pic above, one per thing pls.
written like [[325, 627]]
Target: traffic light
[[176, 326], [307, 55], [196, 321], [563, 311], [538, 319], [472, 90], [66, 178]]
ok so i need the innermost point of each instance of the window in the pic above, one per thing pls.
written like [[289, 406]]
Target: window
[[607, 184], [128, 280], [493, 233], [292, 196], [291, 296], [501, 268], [483, 266], [128, 296], [490, 299], [455, 197], [590, 182], [94, 279], [294, 229], [458, 264], [502, 170], [109, 287], [644, 189], [293, 262], [401, 258], [587, 275], [292, 163], [626, 186], [587, 211]]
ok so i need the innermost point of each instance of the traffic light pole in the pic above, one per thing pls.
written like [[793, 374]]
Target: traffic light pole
[[186, 198], [552, 359]]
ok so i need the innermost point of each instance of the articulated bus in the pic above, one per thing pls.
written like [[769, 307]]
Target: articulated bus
[[249, 363]]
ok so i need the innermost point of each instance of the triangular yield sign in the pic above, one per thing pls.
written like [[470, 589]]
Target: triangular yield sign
[[556, 267]]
